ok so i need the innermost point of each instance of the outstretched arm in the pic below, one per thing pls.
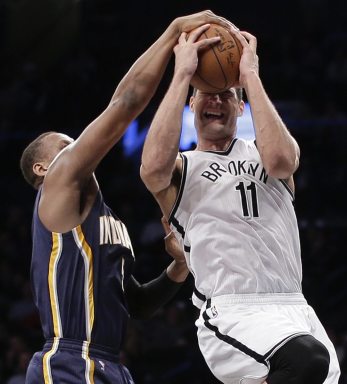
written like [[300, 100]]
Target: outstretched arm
[[278, 149], [71, 173], [162, 142], [130, 97]]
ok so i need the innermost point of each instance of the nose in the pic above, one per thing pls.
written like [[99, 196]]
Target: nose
[[216, 97]]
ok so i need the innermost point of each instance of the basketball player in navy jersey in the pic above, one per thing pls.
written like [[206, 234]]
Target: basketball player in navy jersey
[[230, 204], [82, 255]]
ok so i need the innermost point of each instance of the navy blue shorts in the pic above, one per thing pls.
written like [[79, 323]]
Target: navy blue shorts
[[71, 362]]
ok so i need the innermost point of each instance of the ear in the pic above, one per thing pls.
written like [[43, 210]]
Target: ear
[[40, 169], [191, 103], [241, 108]]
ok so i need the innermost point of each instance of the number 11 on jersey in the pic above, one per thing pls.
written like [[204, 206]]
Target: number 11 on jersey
[[249, 199]]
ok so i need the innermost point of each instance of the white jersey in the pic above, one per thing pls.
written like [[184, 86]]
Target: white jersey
[[237, 225]]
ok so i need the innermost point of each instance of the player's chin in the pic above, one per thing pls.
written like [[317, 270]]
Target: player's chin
[[216, 123], [217, 131]]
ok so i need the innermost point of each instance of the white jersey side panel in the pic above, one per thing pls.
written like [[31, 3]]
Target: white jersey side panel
[[237, 224]]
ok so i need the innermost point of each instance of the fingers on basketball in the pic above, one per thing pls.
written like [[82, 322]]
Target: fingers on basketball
[[218, 65]]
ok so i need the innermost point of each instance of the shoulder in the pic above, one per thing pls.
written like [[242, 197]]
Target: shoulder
[[243, 146], [243, 143], [64, 208]]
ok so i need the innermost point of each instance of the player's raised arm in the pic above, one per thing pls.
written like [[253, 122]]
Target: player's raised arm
[[130, 98], [162, 142], [278, 149]]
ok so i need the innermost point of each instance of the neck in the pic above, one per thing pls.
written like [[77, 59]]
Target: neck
[[214, 145]]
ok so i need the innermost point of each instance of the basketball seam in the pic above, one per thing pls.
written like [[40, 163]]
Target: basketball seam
[[221, 68]]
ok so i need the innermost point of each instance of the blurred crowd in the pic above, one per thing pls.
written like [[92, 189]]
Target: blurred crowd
[[304, 69]]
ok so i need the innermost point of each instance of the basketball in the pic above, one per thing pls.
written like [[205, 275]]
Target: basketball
[[218, 66]]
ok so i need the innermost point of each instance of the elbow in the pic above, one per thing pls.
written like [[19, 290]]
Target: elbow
[[154, 179], [281, 166], [145, 173]]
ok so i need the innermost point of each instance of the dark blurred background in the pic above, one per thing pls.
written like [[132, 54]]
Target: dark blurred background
[[60, 63]]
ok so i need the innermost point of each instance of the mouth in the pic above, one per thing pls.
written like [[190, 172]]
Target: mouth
[[213, 115]]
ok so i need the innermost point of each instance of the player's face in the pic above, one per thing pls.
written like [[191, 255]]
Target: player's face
[[216, 113], [51, 146]]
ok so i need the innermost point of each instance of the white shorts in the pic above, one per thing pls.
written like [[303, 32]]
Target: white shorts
[[238, 334]]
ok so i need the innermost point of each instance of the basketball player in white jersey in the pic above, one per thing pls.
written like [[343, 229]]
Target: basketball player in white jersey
[[230, 204]]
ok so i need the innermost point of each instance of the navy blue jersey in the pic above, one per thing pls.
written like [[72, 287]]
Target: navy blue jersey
[[78, 279]]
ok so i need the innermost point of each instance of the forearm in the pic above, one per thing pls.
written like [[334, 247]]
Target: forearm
[[144, 300], [145, 74], [162, 143], [278, 149], [129, 99]]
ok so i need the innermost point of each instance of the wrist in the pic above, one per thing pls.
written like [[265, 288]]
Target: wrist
[[177, 271], [250, 78], [182, 77], [174, 28]]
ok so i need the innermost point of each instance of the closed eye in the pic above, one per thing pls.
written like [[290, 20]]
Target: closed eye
[[64, 144]]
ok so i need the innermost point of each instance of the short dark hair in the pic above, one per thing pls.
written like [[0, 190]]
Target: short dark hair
[[31, 155], [239, 93]]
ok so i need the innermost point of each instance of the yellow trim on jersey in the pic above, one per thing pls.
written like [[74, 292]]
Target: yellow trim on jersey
[[88, 286], [52, 283], [53, 297], [87, 255]]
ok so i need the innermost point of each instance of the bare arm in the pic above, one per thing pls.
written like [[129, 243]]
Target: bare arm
[[129, 99], [278, 149], [159, 157]]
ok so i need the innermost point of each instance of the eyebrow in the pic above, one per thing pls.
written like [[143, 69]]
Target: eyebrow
[[226, 93]]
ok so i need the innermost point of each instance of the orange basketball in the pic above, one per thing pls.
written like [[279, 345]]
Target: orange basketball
[[218, 66]]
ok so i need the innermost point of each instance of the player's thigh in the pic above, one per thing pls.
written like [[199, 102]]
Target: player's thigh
[[226, 352], [58, 368], [106, 371], [301, 360], [34, 374], [70, 368], [238, 340]]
